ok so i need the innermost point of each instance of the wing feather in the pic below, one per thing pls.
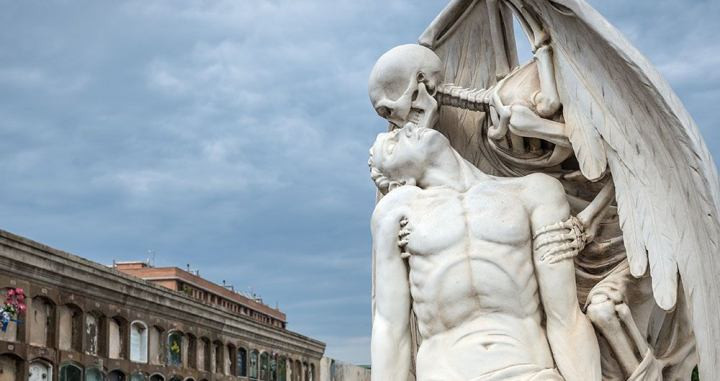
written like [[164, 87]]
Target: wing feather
[[666, 181]]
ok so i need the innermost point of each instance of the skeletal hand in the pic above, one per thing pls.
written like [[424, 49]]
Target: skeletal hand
[[560, 241], [612, 289], [403, 238]]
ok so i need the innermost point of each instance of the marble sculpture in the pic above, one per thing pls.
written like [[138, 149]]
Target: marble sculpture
[[553, 220]]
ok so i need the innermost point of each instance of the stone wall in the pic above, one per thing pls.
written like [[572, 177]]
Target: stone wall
[[101, 306], [333, 370]]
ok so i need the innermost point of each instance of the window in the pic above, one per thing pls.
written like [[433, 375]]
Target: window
[[94, 374], [273, 367], [281, 368], [138, 342], [264, 366], [116, 375], [174, 348], [157, 377], [71, 372], [241, 362], [254, 365]]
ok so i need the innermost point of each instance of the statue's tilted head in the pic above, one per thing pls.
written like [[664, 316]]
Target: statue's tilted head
[[403, 156], [403, 83]]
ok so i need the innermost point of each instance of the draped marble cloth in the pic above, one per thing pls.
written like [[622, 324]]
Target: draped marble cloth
[[467, 52]]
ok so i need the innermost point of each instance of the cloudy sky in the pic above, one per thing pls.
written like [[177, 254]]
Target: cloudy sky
[[233, 135]]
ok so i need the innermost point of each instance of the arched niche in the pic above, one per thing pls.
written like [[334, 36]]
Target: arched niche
[[71, 372], [118, 329], [11, 368], [253, 365], [70, 326], [241, 362], [116, 375], [94, 326], [264, 366], [139, 342], [94, 374], [175, 348], [42, 322], [282, 368]]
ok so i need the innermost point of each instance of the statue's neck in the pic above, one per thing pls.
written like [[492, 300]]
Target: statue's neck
[[454, 172]]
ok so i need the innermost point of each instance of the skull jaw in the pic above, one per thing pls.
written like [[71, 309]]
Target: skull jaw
[[423, 111]]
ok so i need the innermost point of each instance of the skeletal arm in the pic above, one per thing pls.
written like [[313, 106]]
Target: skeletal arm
[[570, 334], [390, 346]]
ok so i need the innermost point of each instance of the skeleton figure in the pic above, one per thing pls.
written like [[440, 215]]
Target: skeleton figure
[[644, 201], [406, 80]]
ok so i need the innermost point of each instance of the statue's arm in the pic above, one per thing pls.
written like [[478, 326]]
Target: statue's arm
[[390, 346], [570, 333]]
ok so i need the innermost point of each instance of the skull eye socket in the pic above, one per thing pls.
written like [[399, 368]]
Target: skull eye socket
[[384, 112]]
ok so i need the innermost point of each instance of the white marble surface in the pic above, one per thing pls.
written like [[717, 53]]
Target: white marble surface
[[584, 152]]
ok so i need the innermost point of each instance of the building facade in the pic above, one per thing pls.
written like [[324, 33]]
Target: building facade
[[88, 322], [206, 292]]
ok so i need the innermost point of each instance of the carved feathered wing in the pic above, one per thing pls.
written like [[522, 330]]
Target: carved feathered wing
[[461, 37], [623, 116], [666, 181]]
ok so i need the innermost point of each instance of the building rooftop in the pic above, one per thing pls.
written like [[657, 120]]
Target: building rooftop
[[205, 291]]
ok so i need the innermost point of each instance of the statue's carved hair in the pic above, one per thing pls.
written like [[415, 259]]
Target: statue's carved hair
[[383, 183]]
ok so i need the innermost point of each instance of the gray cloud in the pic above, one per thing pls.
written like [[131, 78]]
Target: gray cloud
[[233, 135]]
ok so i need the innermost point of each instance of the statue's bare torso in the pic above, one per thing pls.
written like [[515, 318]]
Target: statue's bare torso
[[472, 281]]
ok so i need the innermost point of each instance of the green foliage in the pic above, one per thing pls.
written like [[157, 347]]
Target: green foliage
[[695, 375]]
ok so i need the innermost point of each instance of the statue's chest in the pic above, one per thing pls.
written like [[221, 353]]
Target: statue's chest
[[447, 219]]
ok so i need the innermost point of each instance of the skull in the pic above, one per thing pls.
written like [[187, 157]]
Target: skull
[[403, 84]]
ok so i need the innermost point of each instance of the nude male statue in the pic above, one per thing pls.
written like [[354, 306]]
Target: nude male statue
[[485, 263]]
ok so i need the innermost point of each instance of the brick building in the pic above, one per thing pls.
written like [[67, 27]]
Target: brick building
[[89, 322]]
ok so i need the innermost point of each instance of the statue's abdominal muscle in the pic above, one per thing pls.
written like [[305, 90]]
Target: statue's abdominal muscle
[[457, 274]]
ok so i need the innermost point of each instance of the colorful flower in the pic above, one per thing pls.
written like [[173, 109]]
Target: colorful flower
[[14, 305]]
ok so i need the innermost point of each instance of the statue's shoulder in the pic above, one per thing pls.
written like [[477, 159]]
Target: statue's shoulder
[[542, 188], [535, 182], [397, 201], [531, 189]]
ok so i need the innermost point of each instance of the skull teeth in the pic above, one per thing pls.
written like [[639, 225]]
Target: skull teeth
[[415, 116]]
